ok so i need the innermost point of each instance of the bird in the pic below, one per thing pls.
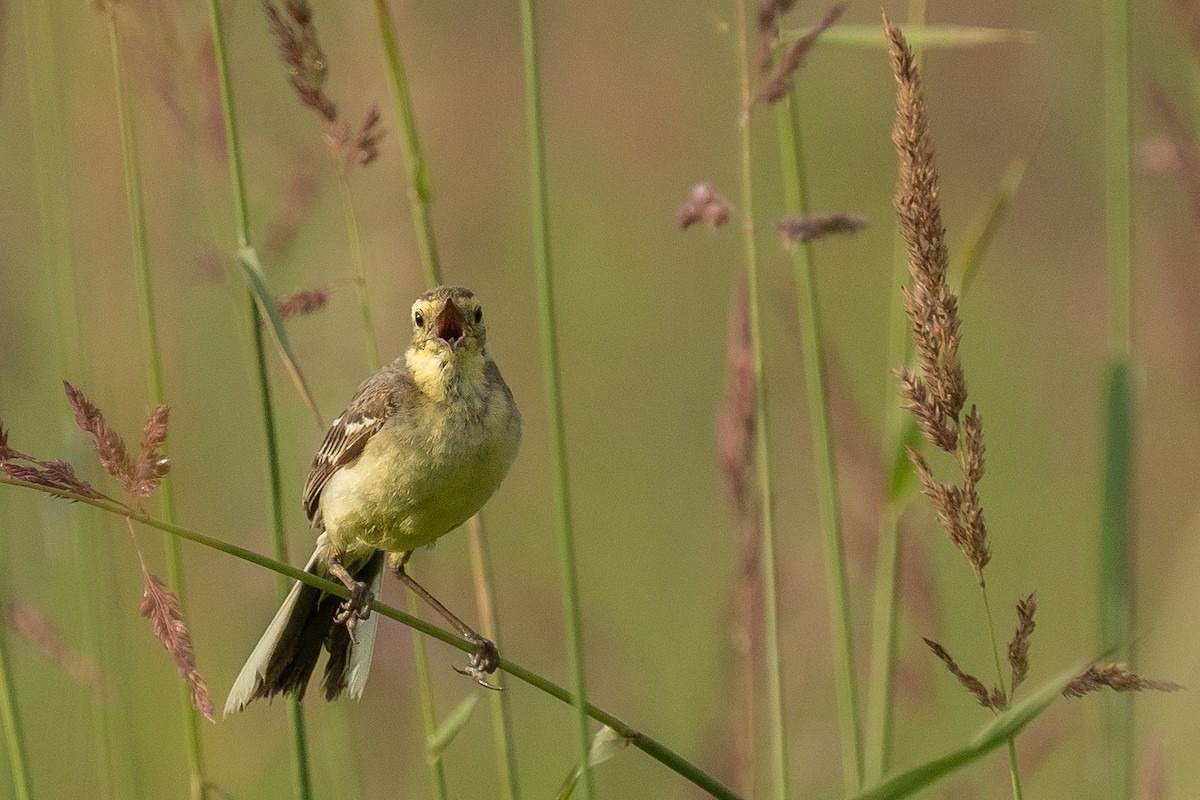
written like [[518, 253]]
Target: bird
[[423, 444]]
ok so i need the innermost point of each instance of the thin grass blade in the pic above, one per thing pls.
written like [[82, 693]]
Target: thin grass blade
[[14, 735], [982, 229], [269, 311], [995, 735], [449, 728], [1115, 579], [931, 36]]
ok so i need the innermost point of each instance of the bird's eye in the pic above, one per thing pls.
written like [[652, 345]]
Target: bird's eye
[[479, 315], [419, 318]]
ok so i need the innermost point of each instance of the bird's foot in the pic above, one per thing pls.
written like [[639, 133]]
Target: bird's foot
[[483, 662], [356, 608]]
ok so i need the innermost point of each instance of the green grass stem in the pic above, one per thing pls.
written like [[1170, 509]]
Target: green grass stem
[[301, 772], [1115, 579], [795, 180], [437, 770], [420, 198], [885, 619], [502, 733], [1014, 772], [50, 168], [773, 657], [360, 269], [154, 373], [14, 734], [301, 778], [550, 374], [1117, 592], [647, 744], [419, 193]]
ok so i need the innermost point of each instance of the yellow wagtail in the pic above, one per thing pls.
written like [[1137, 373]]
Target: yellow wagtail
[[421, 447]]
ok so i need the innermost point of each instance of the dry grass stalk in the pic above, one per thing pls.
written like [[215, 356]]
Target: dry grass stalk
[[28, 622], [735, 427], [107, 443], [936, 392], [809, 227], [970, 682], [776, 87], [768, 14], [137, 479], [161, 606], [52, 474], [1018, 647], [704, 205], [305, 301], [295, 37], [296, 41], [1116, 677]]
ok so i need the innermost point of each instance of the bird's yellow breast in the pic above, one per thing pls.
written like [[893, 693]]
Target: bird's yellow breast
[[432, 465]]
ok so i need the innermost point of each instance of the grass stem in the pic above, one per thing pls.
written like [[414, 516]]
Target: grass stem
[[14, 733], [360, 269], [885, 618], [773, 658], [301, 774], [796, 200], [437, 769], [550, 375], [1117, 593], [419, 193], [506, 756], [652, 747], [1014, 773], [301, 777], [50, 168], [153, 363], [420, 199]]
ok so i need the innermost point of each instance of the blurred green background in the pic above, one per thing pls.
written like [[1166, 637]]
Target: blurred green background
[[640, 104]]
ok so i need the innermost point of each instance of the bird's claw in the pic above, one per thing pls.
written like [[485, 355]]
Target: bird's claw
[[483, 662], [356, 608]]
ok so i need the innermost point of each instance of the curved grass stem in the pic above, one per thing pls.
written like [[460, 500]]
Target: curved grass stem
[[647, 744]]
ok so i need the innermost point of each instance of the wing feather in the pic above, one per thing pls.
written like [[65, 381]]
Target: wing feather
[[372, 406]]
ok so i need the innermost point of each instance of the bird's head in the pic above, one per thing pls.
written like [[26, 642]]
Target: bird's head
[[448, 322], [449, 335]]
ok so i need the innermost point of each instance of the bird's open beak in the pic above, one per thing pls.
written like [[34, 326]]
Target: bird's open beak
[[449, 325]]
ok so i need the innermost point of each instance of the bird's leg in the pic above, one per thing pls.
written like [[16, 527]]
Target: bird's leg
[[359, 605], [485, 659]]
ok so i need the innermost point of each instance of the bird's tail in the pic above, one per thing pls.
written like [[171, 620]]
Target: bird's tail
[[286, 655]]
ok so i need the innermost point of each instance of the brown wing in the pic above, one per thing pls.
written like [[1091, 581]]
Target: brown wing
[[349, 433]]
